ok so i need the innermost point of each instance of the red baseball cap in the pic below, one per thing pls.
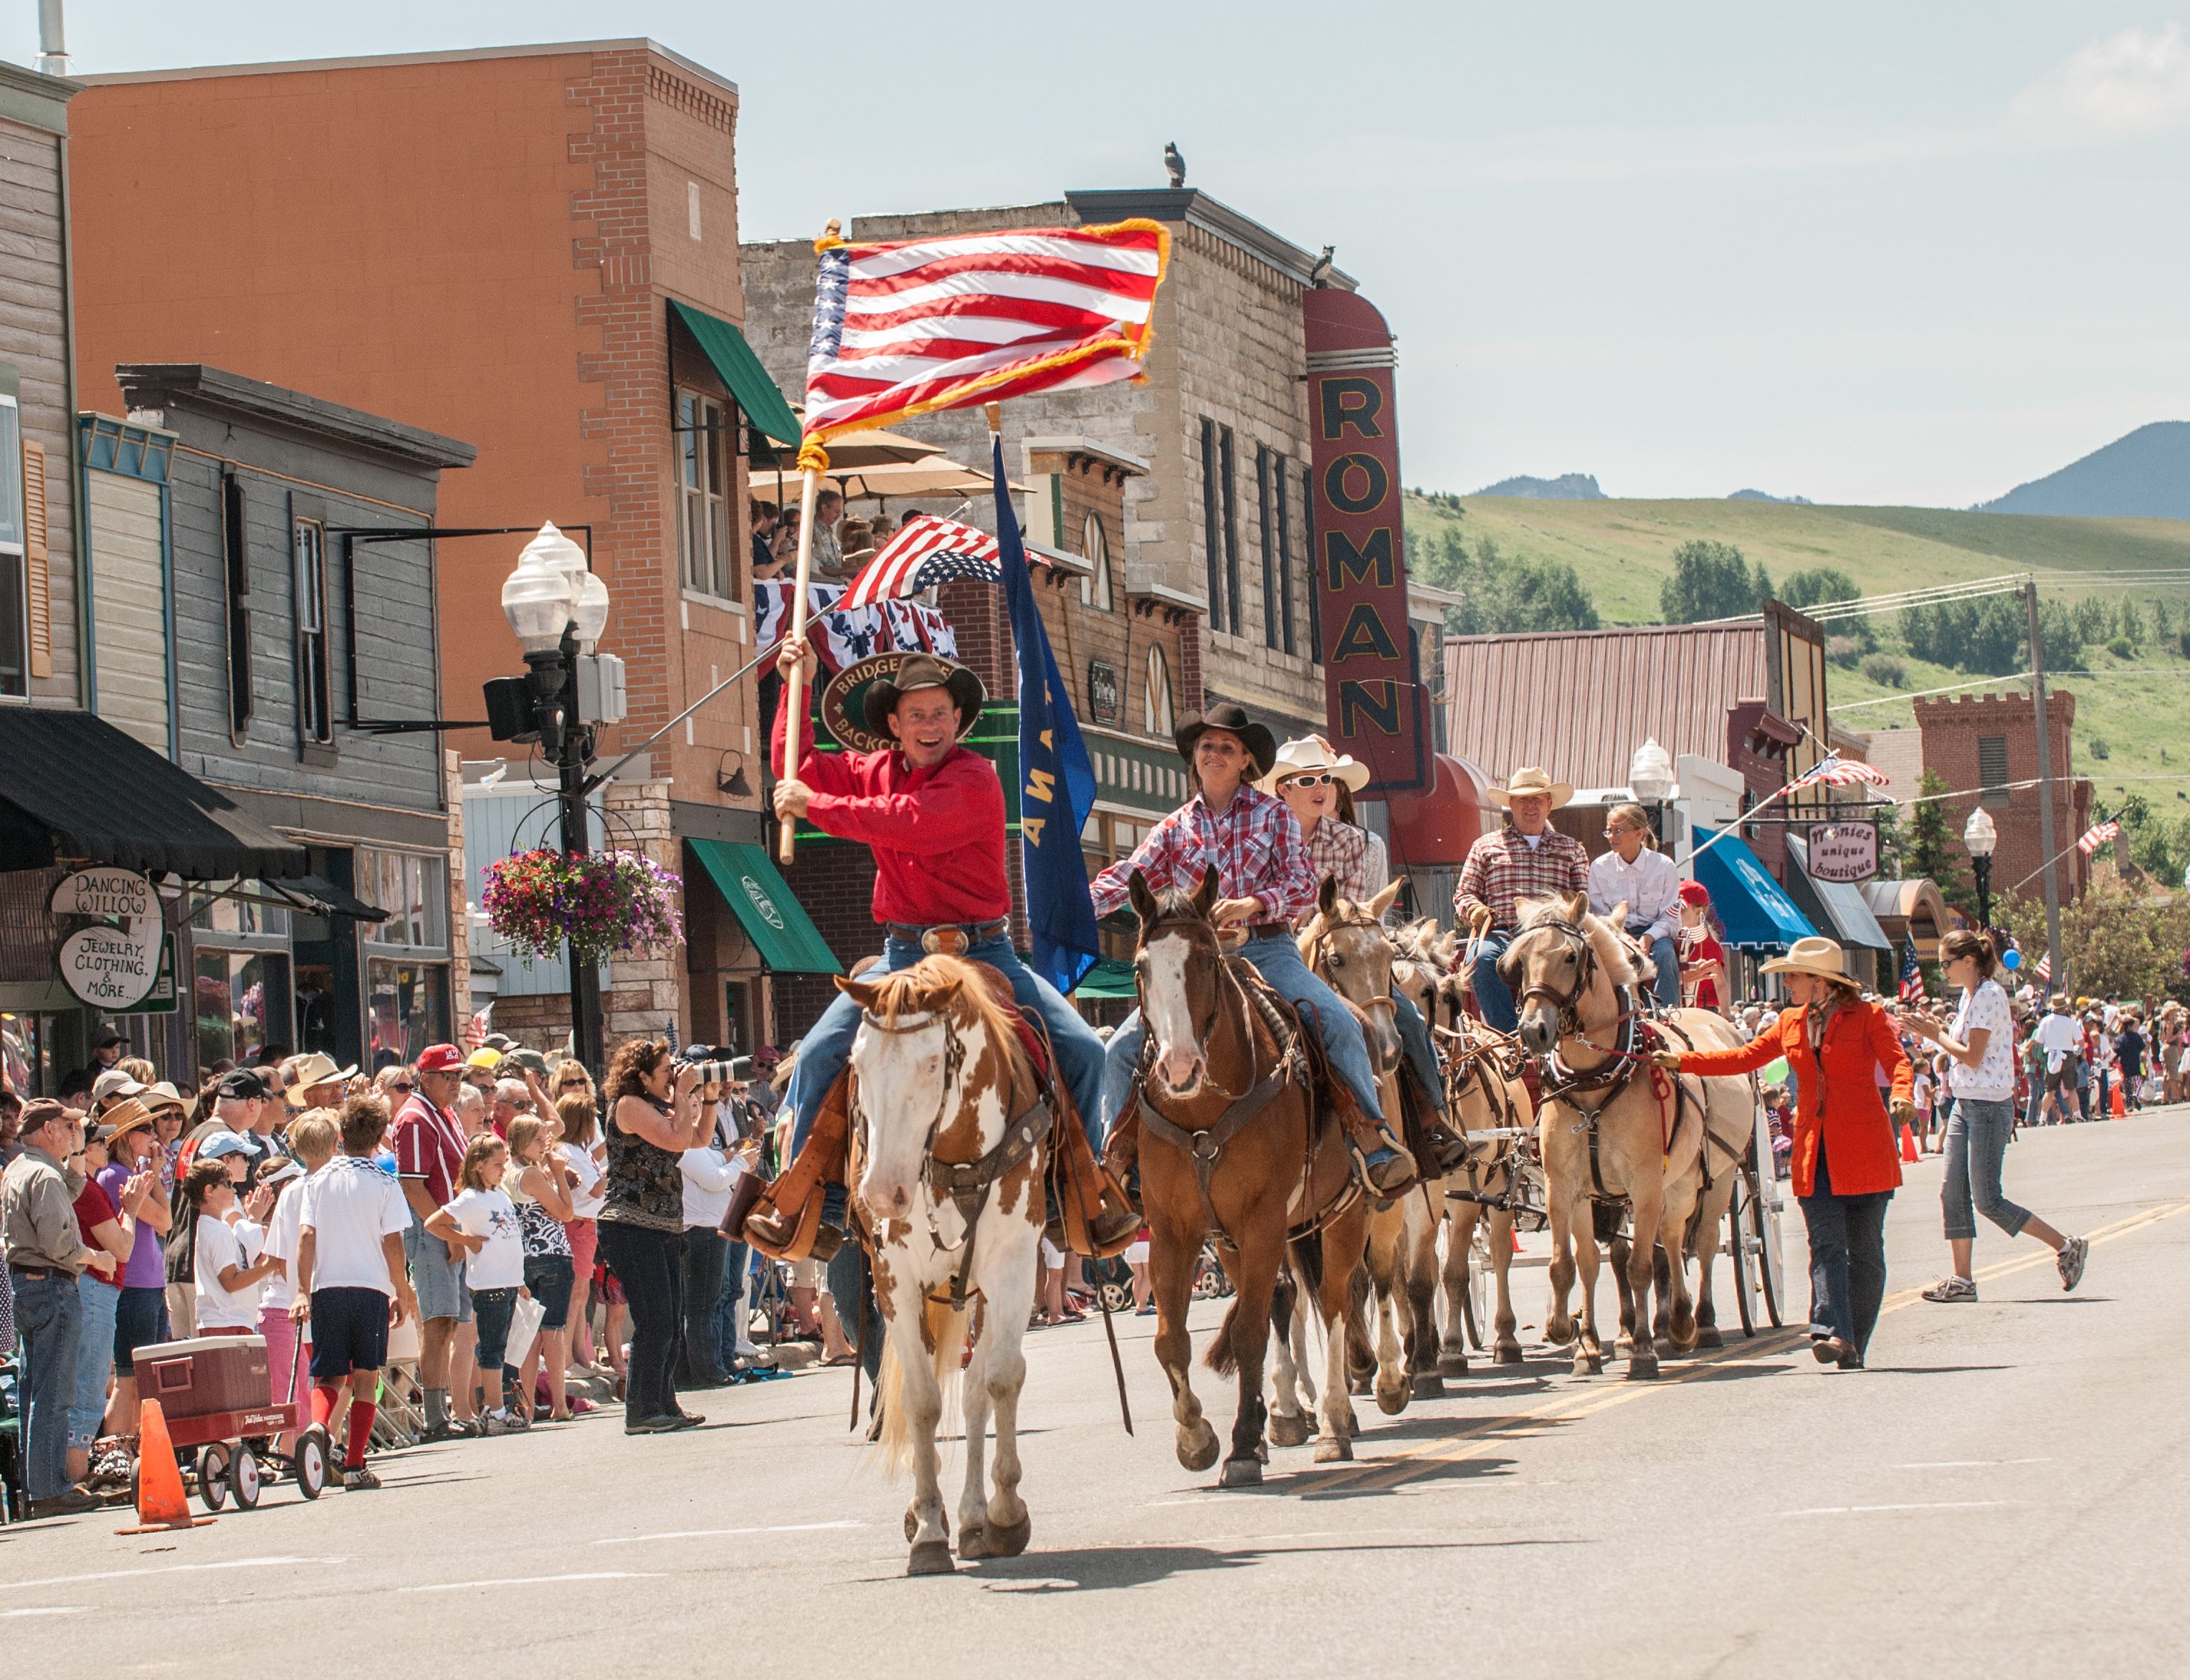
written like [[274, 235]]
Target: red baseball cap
[[439, 1059], [1695, 891]]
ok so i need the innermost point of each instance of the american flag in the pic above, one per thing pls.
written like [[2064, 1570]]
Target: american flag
[[477, 1028], [2043, 971], [927, 552], [909, 326], [2097, 836], [1834, 771], [1912, 978]]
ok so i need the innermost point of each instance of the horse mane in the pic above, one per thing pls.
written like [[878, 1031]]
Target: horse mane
[[1604, 938], [918, 990]]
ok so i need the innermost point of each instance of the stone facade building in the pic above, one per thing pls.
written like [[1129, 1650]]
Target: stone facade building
[[1990, 742]]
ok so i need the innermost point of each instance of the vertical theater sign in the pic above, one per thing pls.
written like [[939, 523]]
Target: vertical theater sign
[[1377, 706]]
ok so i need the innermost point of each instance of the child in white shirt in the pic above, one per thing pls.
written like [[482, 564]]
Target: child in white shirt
[[481, 1223], [227, 1269]]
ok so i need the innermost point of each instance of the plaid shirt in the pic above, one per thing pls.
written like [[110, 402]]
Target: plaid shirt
[[1255, 846], [1353, 855], [1502, 869]]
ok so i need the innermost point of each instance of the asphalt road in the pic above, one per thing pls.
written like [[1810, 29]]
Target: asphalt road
[[1999, 1494]]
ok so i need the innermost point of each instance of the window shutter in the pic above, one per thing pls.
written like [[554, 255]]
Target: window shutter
[[38, 589]]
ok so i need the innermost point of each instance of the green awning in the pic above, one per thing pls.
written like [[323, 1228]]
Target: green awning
[[766, 410], [788, 941]]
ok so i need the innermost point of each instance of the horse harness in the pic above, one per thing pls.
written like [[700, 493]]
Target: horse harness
[[967, 1184]]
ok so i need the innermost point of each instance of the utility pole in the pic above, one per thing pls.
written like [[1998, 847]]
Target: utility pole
[[2044, 789]]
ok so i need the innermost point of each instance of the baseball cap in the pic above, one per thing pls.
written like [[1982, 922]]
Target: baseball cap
[[439, 1059], [240, 1084], [223, 1143], [109, 1037], [499, 1040], [114, 1083], [527, 1058], [1695, 891], [483, 1057]]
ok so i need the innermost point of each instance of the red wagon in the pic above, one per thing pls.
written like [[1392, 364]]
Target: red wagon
[[217, 1394]]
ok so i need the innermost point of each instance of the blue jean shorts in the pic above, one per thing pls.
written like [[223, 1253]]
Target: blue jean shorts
[[439, 1280]]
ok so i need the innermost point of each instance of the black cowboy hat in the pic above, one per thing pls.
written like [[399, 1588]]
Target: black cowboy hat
[[924, 671], [1261, 746]]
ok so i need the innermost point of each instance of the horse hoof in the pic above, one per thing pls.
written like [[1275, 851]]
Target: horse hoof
[[1393, 1400], [974, 1542], [1668, 1348], [1339, 1451], [1287, 1432], [1509, 1353], [1000, 1540], [931, 1557], [1589, 1364], [1452, 1365], [1359, 1385], [1643, 1368], [1198, 1452], [1708, 1336], [1429, 1385], [1241, 1473]]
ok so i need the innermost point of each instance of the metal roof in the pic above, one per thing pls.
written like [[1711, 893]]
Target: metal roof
[[1578, 703]]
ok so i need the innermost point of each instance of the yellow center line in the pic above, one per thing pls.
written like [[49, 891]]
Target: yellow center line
[[1477, 1439]]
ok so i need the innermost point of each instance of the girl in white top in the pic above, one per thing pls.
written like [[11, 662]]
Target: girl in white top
[[481, 1223], [227, 1269]]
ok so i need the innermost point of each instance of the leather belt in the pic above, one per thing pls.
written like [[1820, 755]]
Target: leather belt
[[40, 1272], [951, 938], [1269, 930]]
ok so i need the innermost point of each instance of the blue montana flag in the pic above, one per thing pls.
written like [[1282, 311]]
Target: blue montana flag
[[1057, 788]]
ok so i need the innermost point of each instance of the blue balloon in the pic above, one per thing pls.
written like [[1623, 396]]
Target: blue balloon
[[2013, 959]]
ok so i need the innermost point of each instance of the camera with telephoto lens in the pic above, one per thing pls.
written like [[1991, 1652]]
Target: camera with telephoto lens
[[713, 1073]]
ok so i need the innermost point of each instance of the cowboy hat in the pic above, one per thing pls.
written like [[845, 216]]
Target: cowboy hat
[[1814, 955], [1311, 753], [126, 1115], [317, 1068], [1530, 780], [916, 671], [1228, 715]]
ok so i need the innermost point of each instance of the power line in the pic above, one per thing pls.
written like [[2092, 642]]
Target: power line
[[2023, 677]]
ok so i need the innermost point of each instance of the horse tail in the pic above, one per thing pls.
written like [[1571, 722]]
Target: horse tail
[[945, 1331], [1307, 1265], [1222, 1357], [895, 1442]]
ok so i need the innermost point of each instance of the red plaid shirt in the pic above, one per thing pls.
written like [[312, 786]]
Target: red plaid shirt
[[1502, 868], [1255, 846]]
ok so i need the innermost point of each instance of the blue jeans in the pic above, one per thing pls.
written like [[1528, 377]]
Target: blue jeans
[[47, 1315], [1847, 1259], [1493, 996], [828, 1045], [95, 1359], [704, 1247], [1977, 1142], [1277, 960], [1415, 1039], [1667, 957], [730, 1310]]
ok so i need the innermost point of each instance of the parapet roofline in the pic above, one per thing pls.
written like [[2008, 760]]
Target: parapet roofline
[[379, 61], [193, 384]]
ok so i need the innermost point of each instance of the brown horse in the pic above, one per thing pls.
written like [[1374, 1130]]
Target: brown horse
[[1611, 1128], [1235, 1145]]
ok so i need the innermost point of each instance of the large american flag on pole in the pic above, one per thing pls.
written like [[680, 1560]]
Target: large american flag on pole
[[2097, 836], [1836, 772], [925, 552], [903, 328]]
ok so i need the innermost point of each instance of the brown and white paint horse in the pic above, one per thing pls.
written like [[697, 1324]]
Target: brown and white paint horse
[[942, 1081], [1606, 1136], [1249, 1173]]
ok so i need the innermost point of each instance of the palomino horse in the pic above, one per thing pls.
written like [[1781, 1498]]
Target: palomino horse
[[1345, 945], [1235, 1144], [1612, 1128], [952, 1142], [1481, 1096]]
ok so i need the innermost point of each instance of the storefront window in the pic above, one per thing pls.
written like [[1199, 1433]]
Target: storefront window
[[407, 969], [407, 1005], [242, 1002]]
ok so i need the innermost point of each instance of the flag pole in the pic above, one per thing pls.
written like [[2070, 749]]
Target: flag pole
[[794, 684]]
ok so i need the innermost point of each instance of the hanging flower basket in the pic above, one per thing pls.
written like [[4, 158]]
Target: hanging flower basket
[[604, 904]]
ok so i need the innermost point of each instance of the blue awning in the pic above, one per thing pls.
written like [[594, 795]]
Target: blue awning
[[1758, 915]]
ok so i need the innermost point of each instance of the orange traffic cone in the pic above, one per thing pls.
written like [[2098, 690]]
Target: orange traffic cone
[[2120, 1108], [161, 1503], [1908, 1149]]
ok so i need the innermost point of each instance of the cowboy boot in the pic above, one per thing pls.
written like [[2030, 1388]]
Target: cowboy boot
[[1447, 1150], [1385, 1163]]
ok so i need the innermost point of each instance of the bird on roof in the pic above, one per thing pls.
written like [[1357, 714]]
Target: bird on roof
[[1318, 275], [1175, 161]]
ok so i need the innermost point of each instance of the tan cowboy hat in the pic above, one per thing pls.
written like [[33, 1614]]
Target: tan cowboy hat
[[126, 1115], [1815, 955], [316, 1069], [1311, 753], [1530, 780]]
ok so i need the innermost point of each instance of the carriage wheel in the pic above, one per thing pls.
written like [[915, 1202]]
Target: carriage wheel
[[310, 1464], [1745, 1276], [1477, 1297], [244, 1478], [1765, 1220], [212, 1476]]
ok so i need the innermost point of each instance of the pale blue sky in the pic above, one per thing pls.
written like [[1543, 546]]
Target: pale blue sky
[[1869, 252]]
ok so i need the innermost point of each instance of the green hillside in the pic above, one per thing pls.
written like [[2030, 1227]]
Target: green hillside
[[1622, 551]]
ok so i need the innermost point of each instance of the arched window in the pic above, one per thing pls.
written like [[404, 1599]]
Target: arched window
[[1095, 550], [1155, 703]]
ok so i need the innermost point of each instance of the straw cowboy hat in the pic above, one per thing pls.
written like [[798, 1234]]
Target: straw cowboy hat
[[1232, 717], [126, 1115], [917, 670], [1814, 955], [1530, 780], [1309, 754], [317, 1068]]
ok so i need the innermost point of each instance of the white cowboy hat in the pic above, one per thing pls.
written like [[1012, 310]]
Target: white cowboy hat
[[318, 1068], [1313, 752], [1815, 955], [1530, 780]]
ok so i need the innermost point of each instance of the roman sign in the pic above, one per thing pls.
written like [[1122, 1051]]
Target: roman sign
[[1844, 852], [1378, 707]]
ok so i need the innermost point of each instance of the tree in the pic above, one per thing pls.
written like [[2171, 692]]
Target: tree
[[2132, 623], [1820, 584], [1933, 849], [1508, 595], [2114, 939], [1710, 580]]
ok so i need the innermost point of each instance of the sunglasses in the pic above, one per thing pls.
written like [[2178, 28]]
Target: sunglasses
[[1320, 779], [572, 1085], [400, 1084]]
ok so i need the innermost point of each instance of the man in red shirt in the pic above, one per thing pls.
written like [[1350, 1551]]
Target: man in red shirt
[[932, 814], [429, 1154]]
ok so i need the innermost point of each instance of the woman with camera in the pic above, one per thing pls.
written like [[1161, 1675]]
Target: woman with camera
[[653, 1116]]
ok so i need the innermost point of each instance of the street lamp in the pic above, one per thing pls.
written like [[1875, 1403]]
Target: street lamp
[[557, 604], [1980, 837], [1650, 780]]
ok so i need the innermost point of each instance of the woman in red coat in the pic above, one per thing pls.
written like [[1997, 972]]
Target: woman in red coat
[[1847, 1167]]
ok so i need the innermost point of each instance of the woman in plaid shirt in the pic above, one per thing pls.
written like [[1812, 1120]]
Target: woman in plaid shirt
[[1253, 843]]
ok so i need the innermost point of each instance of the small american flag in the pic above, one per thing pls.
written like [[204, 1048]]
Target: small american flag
[[1834, 771], [927, 552], [477, 1028], [2043, 971], [912, 326], [1912, 978], [2097, 836]]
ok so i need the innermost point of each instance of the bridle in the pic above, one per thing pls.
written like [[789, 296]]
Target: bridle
[[1319, 958], [1610, 1076], [1225, 980]]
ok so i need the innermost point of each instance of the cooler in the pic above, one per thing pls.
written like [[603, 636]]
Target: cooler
[[208, 1376]]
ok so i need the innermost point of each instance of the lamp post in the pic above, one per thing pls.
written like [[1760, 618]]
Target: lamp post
[[1980, 837], [558, 608], [1650, 780]]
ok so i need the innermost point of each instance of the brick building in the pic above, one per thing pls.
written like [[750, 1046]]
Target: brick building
[[534, 248], [1220, 517], [1990, 742]]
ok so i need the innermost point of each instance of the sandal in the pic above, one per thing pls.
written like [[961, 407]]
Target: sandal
[[1952, 1289]]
